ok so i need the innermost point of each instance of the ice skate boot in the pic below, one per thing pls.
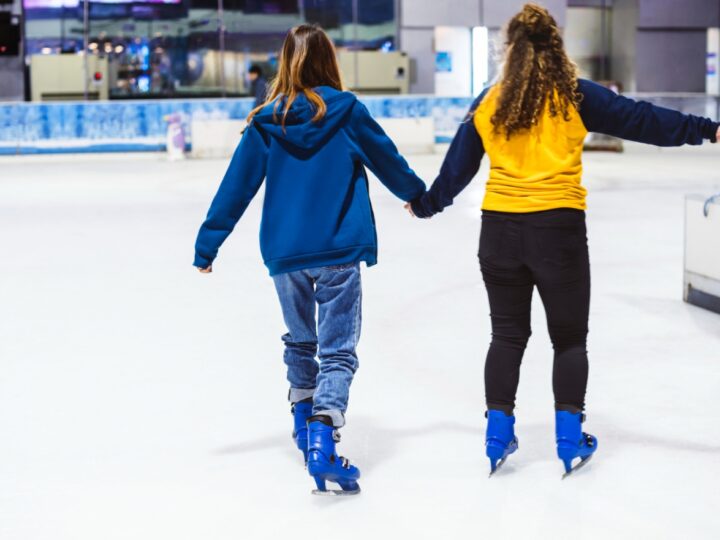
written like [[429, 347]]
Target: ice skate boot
[[323, 462], [301, 411], [500, 440], [572, 443]]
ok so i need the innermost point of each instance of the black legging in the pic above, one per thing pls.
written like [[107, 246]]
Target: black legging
[[518, 252]]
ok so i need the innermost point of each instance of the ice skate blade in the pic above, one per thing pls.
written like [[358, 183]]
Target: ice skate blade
[[335, 492], [577, 467], [498, 467]]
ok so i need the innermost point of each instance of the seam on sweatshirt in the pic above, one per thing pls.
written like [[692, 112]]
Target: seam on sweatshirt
[[312, 253]]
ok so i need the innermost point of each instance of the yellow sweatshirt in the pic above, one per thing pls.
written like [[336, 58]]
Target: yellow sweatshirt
[[535, 170], [541, 168]]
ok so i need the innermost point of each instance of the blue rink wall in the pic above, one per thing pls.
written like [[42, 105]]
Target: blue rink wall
[[139, 126]]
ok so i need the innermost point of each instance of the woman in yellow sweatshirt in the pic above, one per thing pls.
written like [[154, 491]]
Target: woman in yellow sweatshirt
[[532, 125]]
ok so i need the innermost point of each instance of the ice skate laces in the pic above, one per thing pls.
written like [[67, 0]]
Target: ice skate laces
[[345, 462]]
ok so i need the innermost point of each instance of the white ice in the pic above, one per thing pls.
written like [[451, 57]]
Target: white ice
[[142, 400]]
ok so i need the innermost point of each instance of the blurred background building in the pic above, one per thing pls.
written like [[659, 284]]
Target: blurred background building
[[204, 48]]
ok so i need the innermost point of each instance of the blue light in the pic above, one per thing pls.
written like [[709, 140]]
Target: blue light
[[143, 83], [145, 56]]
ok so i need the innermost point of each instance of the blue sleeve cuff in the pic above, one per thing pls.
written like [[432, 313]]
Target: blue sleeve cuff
[[420, 208], [712, 131], [201, 262]]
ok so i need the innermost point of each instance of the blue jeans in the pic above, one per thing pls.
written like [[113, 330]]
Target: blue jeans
[[337, 292]]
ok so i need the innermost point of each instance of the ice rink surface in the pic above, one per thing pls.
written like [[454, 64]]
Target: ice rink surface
[[140, 400]]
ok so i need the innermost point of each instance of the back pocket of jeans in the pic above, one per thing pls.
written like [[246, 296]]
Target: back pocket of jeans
[[560, 246], [492, 236]]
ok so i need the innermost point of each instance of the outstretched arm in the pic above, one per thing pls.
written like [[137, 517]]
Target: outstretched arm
[[381, 156], [604, 111], [460, 166], [242, 180]]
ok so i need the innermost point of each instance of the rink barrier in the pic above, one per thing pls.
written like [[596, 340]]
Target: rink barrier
[[219, 138], [411, 135], [702, 252], [140, 126], [215, 138]]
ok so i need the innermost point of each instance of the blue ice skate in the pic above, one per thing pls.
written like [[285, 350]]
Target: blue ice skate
[[301, 411], [572, 443], [323, 462], [500, 440]]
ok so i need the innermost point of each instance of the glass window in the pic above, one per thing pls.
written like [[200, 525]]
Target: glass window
[[195, 48]]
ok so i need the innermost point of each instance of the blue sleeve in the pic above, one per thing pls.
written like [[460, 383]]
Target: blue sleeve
[[460, 166], [604, 111], [242, 180], [381, 156]]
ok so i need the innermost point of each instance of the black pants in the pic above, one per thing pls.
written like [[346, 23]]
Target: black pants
[[519, 252]]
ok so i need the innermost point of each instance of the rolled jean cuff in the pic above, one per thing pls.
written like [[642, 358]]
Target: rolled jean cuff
[[337, 417], [298, 394]]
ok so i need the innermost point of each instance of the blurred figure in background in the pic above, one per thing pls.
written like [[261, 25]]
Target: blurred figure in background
[[258, 84]]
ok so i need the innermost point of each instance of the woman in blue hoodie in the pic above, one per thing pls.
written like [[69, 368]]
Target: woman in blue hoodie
[[311, 143]]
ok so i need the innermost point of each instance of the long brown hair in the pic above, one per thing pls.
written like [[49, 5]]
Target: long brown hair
[[307, 60], [537, 72]]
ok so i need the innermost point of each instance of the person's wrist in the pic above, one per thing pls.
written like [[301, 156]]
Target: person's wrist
[[416, 207], [420, 207]]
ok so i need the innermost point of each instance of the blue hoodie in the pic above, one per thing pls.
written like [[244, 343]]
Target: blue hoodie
[[317, 209]]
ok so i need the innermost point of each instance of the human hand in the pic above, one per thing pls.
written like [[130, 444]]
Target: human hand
[[408, 207], [207, 270], [717, 135]]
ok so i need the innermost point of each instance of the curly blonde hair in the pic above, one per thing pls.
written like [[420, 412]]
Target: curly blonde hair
[[536, 72]]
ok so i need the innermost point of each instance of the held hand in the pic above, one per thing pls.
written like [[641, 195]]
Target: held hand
[[408, 207], [207, 270]]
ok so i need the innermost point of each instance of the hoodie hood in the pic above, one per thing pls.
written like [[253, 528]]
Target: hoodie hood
[[300, 131]]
